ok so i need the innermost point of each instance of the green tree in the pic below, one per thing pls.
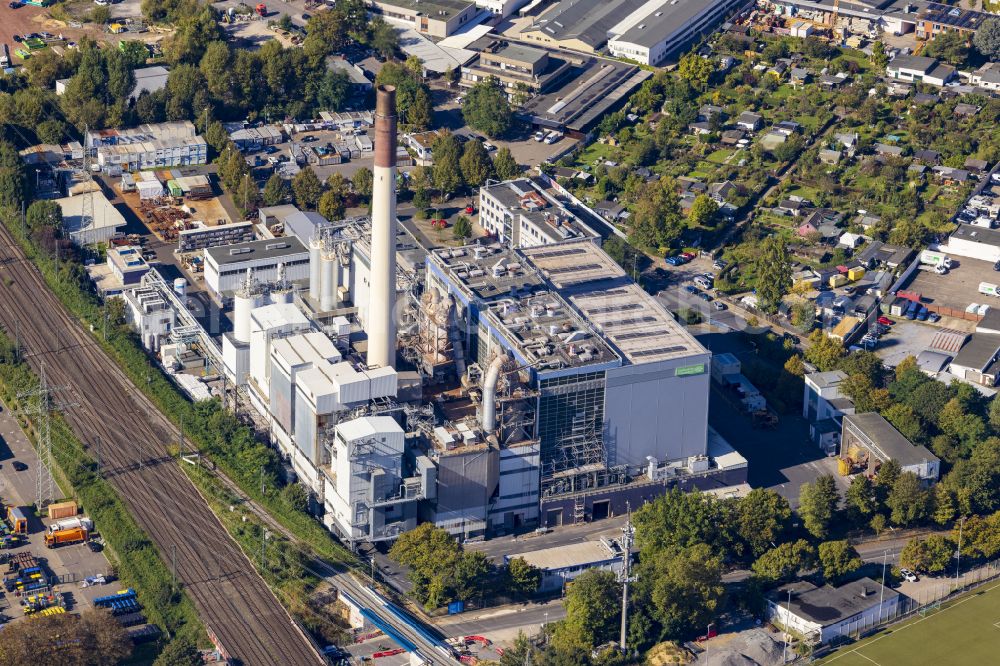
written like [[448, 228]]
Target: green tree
[[905, 420], [276, 190], [784, 562], [12, 181], [838, 559], [703, 210], [462, 228], [987, 39], [593, 611], [524, 577], [486, 108], [179, 652], [861, 499], [774, 273], [505, 166], [331, 206], [818, 505], [383, 37], [686, 590], [432, 556], [824, 352], [945, 504], [472, 575], [677, 520], [363, 181], [446, 171], [307, 188], [908, 501], [994, 413], [762, 518], [296, 496], [930, 555], [695, 70], [656, 221], [879, 58], [950, 46], [475, 163], [43, 214]]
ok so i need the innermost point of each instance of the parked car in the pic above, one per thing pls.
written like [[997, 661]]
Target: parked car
[[719, 264], [908, 575], [934, 317], [270, 150], [19, 466], [539, 136], [469, 210], [16, 5], [489, 146], [691, 290], [719, 305], [688, 255], [705, 297], [674, 261], [996, 266], [885, 321]]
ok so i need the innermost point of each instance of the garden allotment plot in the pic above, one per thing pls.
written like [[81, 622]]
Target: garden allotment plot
[[964, 632]]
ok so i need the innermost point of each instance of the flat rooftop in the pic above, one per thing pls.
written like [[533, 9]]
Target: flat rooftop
[[429, 8], [628, 317], [570, 555], [529, 198], [477, 270], [271, 248]]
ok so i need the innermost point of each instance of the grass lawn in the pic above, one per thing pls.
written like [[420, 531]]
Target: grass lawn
[[596, 151], [719, 156], [965, 632]]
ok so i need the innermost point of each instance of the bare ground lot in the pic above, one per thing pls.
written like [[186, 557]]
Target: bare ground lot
[[959, 287]]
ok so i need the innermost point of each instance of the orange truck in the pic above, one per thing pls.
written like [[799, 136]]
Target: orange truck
[[17, 519], [66, 537]]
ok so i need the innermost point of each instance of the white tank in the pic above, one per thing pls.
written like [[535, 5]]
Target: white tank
[[180, 287], [315, 268], [328, 292], [243, 305]]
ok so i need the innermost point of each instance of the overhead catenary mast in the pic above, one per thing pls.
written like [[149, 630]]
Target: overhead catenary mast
[[626, 577]]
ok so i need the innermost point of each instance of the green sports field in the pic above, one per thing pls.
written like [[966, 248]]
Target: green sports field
[[965, 632]]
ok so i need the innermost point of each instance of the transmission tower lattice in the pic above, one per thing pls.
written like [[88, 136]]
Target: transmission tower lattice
[[41, 409]]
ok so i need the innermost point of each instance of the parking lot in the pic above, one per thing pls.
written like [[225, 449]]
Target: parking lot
[[66, 566], [959, 287]]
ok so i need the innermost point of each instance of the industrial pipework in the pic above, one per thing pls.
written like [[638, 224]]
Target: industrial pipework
[[382, 296], [489, 420]]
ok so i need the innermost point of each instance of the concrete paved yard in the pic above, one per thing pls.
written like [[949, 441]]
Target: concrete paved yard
[[959, 287], [70, 563]]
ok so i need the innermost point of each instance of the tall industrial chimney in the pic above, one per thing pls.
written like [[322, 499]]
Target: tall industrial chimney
[[382, 297]]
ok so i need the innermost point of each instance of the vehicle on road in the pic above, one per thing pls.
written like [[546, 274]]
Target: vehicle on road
[[908, 575]]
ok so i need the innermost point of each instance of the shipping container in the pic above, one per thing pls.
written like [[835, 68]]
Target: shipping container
[[72, 523], [838, 280], [856, 273], [63, 510]]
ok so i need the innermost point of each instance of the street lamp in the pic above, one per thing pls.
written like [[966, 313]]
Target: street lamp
[[881, 595], [372, 560]]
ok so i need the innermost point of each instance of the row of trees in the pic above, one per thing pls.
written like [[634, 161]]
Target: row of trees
[[457, 167], [442, 571]]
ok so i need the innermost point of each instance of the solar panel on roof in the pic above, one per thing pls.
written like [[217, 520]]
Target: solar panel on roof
[[637, 334], [557, 253], [625, 322], [615, 308], [572, 269], [659, 350]]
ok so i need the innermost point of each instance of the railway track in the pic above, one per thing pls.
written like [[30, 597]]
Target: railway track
[[230, 596]]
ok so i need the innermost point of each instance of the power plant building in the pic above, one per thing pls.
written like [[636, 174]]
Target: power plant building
[[226, 265], [617, 390]]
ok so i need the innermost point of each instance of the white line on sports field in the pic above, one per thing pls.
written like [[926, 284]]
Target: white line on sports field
[[869, 659], [957, 603]]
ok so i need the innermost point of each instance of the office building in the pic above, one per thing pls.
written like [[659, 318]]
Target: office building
[[664, 28], [523, 213], [435, 18]]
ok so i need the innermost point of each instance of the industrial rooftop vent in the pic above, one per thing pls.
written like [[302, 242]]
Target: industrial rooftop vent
[[277, 246]]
